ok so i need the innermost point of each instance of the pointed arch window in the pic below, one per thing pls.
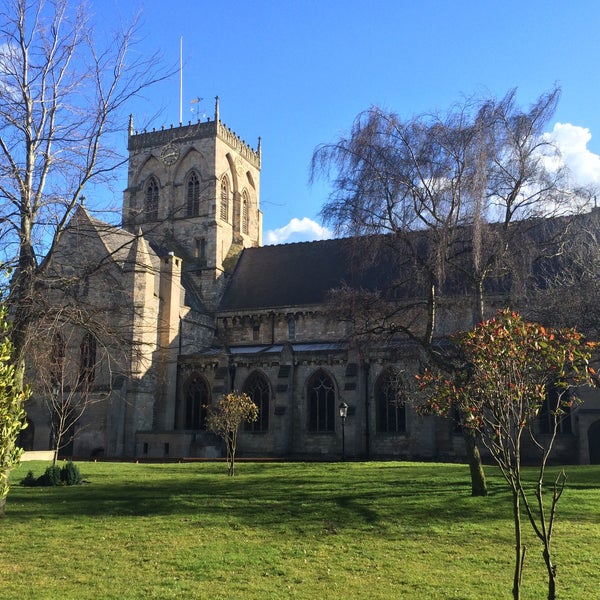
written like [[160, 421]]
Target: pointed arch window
[[87, 364], [193, 195], [257, 387], [390, 398], [197, 400], [321, 402], [224, 207], [245, 212], [151, 199]]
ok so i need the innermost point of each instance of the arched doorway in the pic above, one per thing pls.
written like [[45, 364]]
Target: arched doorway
[[594, 443], [26, 436]]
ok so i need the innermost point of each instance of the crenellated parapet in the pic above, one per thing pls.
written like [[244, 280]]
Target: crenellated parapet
[[147, 140], [237, 144]]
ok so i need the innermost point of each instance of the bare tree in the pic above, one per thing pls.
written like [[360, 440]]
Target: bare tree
[[565, 291], [63, 92], [441, 195], [66, 361]]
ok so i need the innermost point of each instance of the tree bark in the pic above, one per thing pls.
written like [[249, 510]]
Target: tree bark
[[4, 493], [519, 548], [478, 483], [230, 457], [551, 568]]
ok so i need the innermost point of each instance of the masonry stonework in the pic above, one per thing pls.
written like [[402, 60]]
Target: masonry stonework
[[202, 308]]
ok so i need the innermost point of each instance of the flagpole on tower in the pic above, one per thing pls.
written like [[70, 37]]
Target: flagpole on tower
[[181, 80]]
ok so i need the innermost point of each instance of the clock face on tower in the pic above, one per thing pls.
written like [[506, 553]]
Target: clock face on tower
[[169, 154]]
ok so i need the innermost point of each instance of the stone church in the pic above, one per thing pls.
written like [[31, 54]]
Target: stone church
[[197, 306]]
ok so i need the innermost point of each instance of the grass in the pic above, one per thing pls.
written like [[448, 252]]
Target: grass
[[285, 530]]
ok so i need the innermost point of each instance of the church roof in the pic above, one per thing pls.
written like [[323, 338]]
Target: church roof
[[298, 274], [303, 274], [117, 241]]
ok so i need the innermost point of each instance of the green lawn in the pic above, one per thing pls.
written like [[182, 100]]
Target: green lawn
[[286, 530]]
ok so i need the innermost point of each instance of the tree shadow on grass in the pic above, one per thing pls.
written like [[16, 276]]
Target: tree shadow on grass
[[274, 496]]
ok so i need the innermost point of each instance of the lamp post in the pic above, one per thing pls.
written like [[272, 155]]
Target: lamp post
[[343, 414]]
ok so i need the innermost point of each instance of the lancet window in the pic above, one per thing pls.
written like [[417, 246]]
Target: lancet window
[[193, 195], [151, 205], [225, 192], [321, 402], [257, 387], [390, 397]]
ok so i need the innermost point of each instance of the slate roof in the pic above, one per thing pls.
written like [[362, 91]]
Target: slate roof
[[302, 274], [116, 240], [298, 274]]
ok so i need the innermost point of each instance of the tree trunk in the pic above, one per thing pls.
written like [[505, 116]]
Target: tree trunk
[[551, 568], [519, 548], [478, 484], [57, 443], [230, 458], [4, 491], [479, 301]]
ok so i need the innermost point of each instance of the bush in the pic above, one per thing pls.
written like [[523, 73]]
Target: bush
[[50, 477], [68, 475], [29, 480]]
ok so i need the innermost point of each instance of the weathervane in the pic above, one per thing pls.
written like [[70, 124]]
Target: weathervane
[[196, 109]]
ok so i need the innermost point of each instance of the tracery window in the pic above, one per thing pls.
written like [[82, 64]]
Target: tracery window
[[224, 210], [87, 363], [245, 213], [151, 205], [390, 399], [193, 195], [197, 401], [257, 387], [321, 402]]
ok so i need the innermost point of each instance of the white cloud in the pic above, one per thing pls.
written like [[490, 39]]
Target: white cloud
[[297, 230], [572, 142]]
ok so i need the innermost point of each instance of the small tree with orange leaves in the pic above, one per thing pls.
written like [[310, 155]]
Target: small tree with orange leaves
[[225, 420], [509, 367]]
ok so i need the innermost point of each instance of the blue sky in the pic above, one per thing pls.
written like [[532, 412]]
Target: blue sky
[[296, 73]]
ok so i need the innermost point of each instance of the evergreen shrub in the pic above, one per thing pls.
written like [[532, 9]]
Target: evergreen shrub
[[70, 475], [50, 477], [67, 475], [29, 480]]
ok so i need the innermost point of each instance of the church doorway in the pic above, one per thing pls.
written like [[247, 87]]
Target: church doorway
[[594, 443], [26, 436]]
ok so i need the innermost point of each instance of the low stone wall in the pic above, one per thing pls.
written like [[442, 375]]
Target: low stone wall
[[37, 455]]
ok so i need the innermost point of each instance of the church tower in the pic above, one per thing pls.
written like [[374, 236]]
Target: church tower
[[194, 190]]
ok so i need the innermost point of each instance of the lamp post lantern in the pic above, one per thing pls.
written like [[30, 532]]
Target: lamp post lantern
[[343, 414]]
